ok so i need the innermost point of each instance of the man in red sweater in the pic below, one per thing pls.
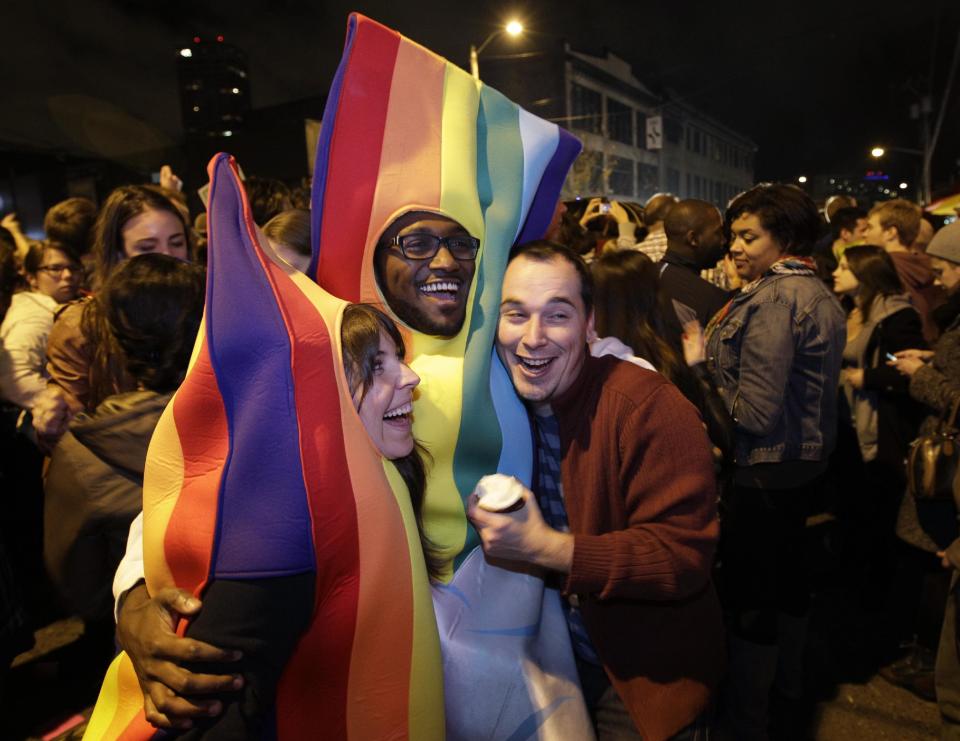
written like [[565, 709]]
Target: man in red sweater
[[625, 510]]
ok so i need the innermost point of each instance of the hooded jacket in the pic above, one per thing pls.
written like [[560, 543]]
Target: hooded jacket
[[93, 489], [917, 277]]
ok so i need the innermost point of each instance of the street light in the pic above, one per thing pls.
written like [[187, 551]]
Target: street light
[[903, 186], [802, 179], [923, 189], [513, 28]]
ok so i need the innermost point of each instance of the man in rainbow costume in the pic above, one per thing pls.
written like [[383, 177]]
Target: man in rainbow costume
[[259, 467]]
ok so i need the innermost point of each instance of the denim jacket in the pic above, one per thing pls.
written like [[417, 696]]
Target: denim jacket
[[775, 357]]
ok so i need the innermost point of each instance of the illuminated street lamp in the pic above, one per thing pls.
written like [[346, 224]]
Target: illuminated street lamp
[[923, 190], [513, 28], [802, 179]]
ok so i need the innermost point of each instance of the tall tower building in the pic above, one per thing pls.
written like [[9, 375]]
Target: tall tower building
[[214, 87]]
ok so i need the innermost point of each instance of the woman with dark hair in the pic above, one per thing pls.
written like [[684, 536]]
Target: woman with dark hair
[[238, 614], [52, 275], [70, 222], [135, 220], [886, 322], [878, 405], [371, 342], [150, 307], [82, 363], [774, 354], [53, 278], [628, 305]]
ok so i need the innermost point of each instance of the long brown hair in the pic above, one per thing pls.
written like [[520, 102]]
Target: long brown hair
[[876, 273], [360, 333], [122, 205], [627, 306]]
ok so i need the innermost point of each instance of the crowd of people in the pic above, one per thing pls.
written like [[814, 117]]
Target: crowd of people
[[801, 387]]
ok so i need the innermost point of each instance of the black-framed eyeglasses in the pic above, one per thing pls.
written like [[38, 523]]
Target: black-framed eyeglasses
[[58, 268], [425, 246]]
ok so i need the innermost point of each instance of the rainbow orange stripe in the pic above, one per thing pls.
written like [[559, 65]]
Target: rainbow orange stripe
[[407, 130]]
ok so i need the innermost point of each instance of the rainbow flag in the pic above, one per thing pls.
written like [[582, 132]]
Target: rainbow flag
[[406, 130], [260, 468]]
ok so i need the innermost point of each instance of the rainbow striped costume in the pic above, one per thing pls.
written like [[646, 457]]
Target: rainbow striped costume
[[260, 468]]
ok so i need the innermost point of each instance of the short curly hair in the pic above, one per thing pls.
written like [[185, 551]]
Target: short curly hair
[[784, 210]]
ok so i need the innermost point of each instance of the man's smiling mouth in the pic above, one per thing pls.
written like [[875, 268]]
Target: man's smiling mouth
[[534, 366], [442, 289]]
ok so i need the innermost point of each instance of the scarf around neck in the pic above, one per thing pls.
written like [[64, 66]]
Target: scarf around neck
[[787, 265]]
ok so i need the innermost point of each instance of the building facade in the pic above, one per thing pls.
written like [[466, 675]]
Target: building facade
[[637, 142]]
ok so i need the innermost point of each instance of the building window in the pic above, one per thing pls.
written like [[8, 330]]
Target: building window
[[648, 180], [586, 108], [619, 122], [673, 180], [621, 176], [673, 130], [641, 129]]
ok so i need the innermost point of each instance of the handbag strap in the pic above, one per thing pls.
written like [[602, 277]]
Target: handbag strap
[[948, 419]]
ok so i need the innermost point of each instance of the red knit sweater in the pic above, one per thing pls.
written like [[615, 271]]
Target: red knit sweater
[[640, 494]]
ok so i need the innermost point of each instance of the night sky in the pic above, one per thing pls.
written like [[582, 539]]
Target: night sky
[[814, 84]]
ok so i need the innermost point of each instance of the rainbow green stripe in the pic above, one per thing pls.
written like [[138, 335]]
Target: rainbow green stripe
[[436, 140]]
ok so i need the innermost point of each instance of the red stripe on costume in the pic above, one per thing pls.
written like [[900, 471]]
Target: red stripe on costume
[[355, 159], [139, 729], [411, 155], [188, 541], [312, 693]]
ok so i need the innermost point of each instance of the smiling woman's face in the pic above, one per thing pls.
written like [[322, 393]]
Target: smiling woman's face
[[753, 248], [386, 409]]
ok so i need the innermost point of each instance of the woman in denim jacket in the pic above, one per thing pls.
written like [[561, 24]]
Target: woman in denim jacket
[[774, 352]]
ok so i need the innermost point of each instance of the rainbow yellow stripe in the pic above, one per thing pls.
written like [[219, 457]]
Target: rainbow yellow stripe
[[407, 130]]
